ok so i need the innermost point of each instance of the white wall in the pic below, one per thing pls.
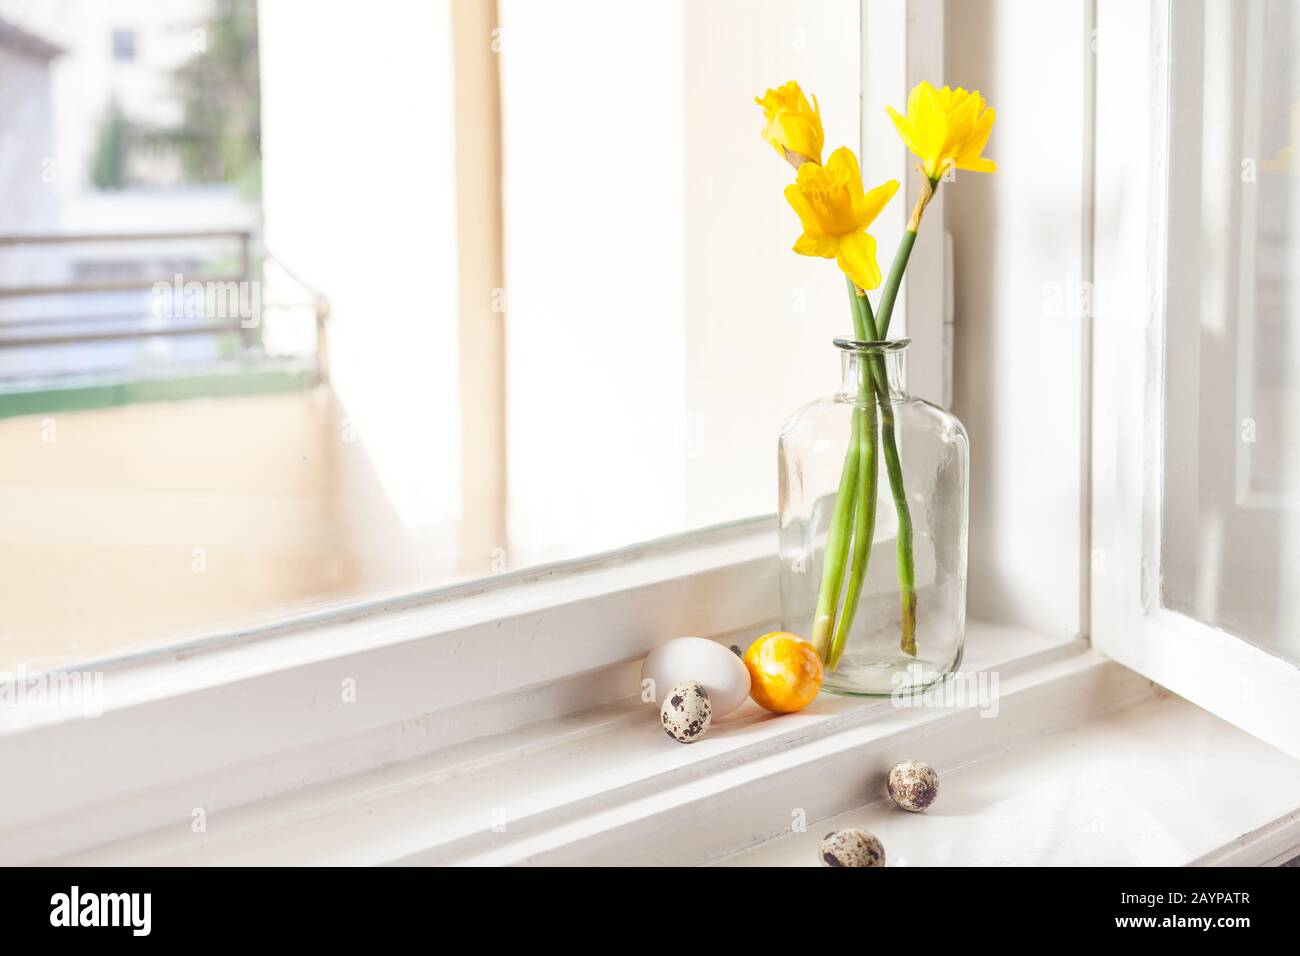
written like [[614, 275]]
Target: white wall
[[759, 319], [660, 328], [592, 94]]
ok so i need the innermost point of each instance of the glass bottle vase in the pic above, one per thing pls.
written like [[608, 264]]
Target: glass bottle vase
[[910, 458]]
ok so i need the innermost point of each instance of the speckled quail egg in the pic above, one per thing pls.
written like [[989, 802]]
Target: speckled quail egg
[[686, 711], [851, 847], [913, 785]]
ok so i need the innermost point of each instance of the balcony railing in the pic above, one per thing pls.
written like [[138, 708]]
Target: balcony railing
[[97, 323]]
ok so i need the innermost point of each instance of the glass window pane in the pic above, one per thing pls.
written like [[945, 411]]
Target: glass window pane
[[1231, 530], [249, 369]]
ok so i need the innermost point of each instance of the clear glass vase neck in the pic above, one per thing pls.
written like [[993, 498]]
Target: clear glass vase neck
[[859, 359]]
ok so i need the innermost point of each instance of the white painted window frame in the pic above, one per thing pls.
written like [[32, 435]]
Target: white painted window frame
[[1227, 676]]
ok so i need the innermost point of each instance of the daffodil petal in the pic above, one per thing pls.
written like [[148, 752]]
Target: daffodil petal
[[857, 259], [914, 98], [795, 197], [843, 161], [873, 202], [904, 130], [969, 156], [810, 244]]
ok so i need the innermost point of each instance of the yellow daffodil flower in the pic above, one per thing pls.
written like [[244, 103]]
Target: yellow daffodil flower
[[793, 127], [946, 128], [835, 214]]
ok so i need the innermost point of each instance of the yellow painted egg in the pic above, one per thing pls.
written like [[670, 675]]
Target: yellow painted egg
[[785, 672]]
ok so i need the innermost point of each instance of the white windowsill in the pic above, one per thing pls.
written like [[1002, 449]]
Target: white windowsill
[[501, 725], [1085, 763], [1159, 782]]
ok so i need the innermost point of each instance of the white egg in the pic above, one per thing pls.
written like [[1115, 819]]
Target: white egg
[[714, 666], [686, 712]]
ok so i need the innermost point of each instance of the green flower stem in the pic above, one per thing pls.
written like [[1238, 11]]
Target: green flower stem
[[864, 524], [889, 438], [862, 446], [906, 563], [846, 517], [837, 548], [894, 281]]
